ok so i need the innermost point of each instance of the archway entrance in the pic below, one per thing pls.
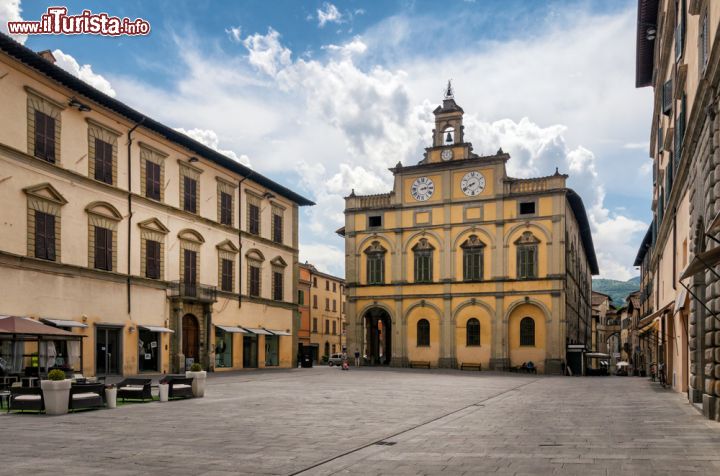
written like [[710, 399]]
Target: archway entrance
[[377, 340], [190, 338]]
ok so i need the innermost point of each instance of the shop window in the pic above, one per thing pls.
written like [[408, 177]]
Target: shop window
[[272, 351], [149, 348], [223, 348]]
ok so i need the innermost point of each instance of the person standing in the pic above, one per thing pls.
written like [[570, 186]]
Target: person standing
[[357, 357]]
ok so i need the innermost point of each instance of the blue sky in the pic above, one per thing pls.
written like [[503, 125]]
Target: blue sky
[[324, 96]]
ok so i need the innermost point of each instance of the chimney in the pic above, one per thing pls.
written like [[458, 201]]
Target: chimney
[[47, 56]]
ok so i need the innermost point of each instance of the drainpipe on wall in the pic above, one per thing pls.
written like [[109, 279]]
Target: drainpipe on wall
[[130, 211]]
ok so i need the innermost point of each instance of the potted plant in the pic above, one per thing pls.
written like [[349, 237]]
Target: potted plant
[[198, 375], [56, 392], [111, 395]]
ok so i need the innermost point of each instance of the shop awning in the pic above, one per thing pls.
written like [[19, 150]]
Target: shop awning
[[680, 301], [64, 323], [232, 329], [157, 329], [597, 355], [701, 262], [280, 333], [258, 331], [15, 325]]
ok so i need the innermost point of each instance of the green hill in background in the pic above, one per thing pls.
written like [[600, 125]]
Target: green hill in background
[[617, 290]]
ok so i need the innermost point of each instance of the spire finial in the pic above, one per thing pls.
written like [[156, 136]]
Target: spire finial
[[449, 93]]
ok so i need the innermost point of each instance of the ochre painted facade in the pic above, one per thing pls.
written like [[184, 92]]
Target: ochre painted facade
[[429, 261]]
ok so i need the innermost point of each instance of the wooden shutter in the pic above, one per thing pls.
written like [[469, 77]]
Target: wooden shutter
[[103, 161], [44, 136], [190, 195], [225, 208], [254, 219], [667, 97], [152, 259], [152, 180], [101, 248], [277, 228], [44, 236], [227, 275]]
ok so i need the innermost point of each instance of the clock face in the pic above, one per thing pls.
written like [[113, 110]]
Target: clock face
[[446, 154], [422, 189], [473, 183]]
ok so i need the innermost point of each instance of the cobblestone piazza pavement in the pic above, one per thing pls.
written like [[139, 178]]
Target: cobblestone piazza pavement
[[326, 421]]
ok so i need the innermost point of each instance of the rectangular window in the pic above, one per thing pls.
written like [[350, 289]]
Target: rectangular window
[[152, 259], [226, 207], [334, 327], [315, 302], [375, 221], [227, 275], [254, 281], [277, 286], [334, 287], [253, 219], [314, 282], [423, 266], [334, 305], [667, 97], [277, 228], [44, 236], [527, 208], [301, 297], [190, 272], [314, 329], [190, 195], [704, 42], [152, 180], [103, 248], [375, 268], [44, 137], [527, 262], [327, 304], [327, 285], [680, 29], [472, 264], [327, 326], [103, 161], [680, 129]]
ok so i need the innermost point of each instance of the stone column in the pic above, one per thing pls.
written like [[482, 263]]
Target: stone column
[[179, 358]]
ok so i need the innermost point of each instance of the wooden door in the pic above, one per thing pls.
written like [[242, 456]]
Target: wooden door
[[191, 337]]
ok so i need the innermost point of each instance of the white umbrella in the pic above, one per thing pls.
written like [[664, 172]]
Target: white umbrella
[[622, 364]]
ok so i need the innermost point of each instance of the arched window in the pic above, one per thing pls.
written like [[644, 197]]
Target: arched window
[[472, 332], [375, 263], [527, 331], [527, 256], [473, 250], [423, 251], [423, 333]]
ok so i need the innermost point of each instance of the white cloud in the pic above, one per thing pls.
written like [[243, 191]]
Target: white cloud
[[10, 11], [326, 258], [328, 14], [356, 46], [84, 72], [235, 33], [210, 138], [266, 52], [637, 145]]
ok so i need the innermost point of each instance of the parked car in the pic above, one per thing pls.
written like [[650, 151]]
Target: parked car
[[335, 359]]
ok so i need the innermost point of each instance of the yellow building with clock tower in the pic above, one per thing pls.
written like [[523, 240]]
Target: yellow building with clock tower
[[462, 266]]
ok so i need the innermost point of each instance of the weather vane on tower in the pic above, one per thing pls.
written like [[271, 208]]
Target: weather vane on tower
[[449, 93]]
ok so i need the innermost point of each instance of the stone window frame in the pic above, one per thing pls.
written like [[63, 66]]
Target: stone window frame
[[227, 250], [277, 210], [37, 101], [152, 229], [226, 186], [527, 331], [278, 266], [468, 342], [190, 240], [527, 242], [255, 259], [106, 134], [47, 199], [192, 172], [375, 252], [150, 153], [253, 199], [422, 250], [473, 244], [102, 215]]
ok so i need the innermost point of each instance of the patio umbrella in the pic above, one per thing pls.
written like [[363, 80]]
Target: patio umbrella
[[25, 326], [622, 364]]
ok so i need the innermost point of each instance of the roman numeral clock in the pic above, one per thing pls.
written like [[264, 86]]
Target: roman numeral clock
[[473, 183], [422, 189]]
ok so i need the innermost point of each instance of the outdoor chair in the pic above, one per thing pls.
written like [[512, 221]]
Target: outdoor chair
[[178, 386], [90, 395], [134, 389], [26, 398]]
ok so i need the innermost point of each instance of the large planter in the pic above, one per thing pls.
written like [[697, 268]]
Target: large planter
[[198, 385], [56, 394], [163, 390], [111, 397]]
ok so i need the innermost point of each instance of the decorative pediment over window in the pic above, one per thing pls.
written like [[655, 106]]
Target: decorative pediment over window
[[375, 247], [47, 192], [472, 242], [191, 235], [278, 261], [423, 245], [228, 246], [527, 238], [255, 255], [153, 224], [104, 210]]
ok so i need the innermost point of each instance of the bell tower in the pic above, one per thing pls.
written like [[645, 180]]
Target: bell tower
[[448, 121]]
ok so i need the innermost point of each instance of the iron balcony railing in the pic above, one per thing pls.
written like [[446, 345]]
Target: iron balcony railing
[[193, 291]]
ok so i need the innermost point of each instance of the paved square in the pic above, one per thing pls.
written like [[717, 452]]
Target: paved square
[[326, 421]]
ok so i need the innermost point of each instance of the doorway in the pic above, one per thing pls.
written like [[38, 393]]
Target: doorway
[[108, 351], [377, 345], [250, 352], [190, 339], [148, 351]]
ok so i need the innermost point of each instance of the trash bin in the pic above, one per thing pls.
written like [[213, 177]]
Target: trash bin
[[111, 397], [306, 362], [163, 389]]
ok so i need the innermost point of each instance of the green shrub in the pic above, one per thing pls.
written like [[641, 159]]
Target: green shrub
[[195, 367], [56, 374]]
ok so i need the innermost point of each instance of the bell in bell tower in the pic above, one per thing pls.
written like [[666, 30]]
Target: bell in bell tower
[[448, 121]]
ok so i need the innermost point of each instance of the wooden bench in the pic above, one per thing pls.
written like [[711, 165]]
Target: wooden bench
[[470, 366], [419, 364]]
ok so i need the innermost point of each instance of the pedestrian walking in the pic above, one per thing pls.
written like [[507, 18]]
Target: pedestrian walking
[[357, 357]]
